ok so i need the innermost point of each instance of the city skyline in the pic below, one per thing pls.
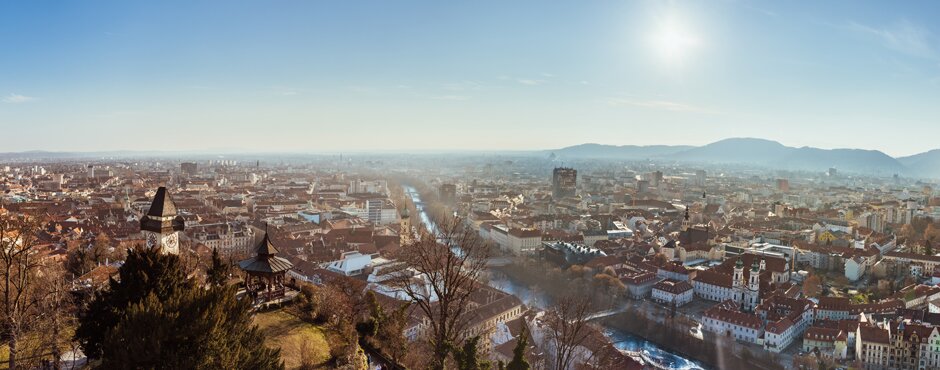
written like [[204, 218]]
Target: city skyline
[[416, 184], [420, 76]]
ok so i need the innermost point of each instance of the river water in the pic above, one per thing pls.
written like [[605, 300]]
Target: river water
[[622, 340]]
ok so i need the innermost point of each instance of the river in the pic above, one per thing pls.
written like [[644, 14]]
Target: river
[[622, 340]]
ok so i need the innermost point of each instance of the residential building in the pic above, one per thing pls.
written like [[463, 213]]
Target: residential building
[[672, 292]]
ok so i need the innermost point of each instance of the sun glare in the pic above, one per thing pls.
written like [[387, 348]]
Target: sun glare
[[673, 41]]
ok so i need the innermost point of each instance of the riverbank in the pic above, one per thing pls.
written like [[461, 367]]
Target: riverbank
[[670, 358], [527, 283], [530, 288], [654, 334], [712, 352]]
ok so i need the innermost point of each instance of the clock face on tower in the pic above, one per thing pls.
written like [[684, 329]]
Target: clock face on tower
[[151, 240], [171, 242]]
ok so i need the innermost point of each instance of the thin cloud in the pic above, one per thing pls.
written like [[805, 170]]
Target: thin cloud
[[763, 11], [905, 36], [462, 86], [525, 80], [530, 82], [451, 97], [285, 90], [17, 99], [200, 87], [663, 105], [118, 113], [362, 89]]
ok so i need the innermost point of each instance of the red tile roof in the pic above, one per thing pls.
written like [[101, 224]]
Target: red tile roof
[[728, 311], [673, 286], [873, 334]]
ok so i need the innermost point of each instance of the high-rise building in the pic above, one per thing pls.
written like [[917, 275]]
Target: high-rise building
[[783, 185], [700, 177], [449, 193], [188, 168], [656, 178], [564, 182], [360, 186]]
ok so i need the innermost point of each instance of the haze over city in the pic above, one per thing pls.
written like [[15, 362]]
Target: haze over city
[[420, 75], [469, 185]]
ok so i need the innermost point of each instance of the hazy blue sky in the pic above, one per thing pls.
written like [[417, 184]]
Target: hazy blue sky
[[367, 75]]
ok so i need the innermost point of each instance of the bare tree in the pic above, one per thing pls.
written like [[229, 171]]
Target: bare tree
[[445, 266], [567, 329], [19, 265], [56, 310]]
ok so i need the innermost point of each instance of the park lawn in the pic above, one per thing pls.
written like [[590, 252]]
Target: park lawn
[[30, 352], [295, 337]]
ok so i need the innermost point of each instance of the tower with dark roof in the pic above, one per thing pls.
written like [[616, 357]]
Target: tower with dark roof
[[752, 294], [161, 225], [687, 220], [737, 284]]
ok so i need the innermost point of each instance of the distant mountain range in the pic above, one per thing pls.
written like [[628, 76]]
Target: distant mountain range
[[771, 154], [740, 151]]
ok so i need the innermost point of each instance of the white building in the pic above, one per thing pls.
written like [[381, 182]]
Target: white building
[[230, 238], [727, 319], [351, 263], [855, 268], [524, 241], [378, 211], [713, 286], [930, 358], [671, 292], [360, 186]]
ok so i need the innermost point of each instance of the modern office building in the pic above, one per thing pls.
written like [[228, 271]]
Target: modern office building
[[564, 182]]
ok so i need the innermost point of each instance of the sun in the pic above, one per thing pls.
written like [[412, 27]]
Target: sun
[[673, 41]]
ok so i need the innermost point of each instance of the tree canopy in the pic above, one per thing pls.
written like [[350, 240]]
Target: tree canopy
[[217, 273], [154, 317], [518, 361]]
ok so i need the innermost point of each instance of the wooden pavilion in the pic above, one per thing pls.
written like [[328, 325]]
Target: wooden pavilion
[[265, 273]]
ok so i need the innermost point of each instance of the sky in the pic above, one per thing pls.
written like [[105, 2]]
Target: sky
[[335, 76]]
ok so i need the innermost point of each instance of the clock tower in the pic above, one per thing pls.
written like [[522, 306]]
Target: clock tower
[[161, 225]]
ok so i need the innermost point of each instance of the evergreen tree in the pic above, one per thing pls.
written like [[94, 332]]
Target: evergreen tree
[[145, 272], [217, 274], [155, 318], [469, 357], [195, 329], [928, 249], [518, 361]]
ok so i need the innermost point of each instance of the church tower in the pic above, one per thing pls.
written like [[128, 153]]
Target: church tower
[[161, 225], [737, 285], [686, 221], [405, 230], [753, 287]]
